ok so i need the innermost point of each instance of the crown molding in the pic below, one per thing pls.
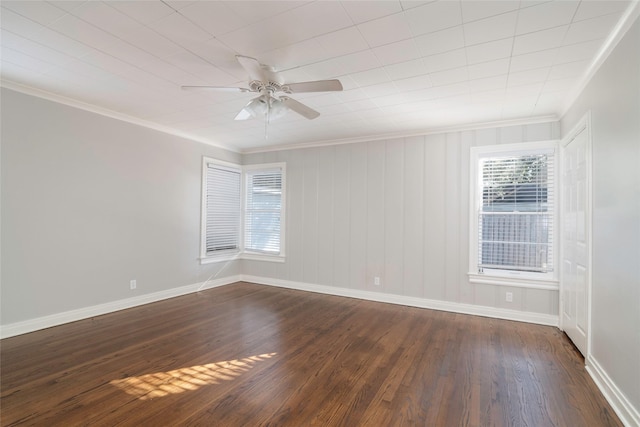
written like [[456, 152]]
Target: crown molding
[[626, 21], [406, 134], [320, 143], [50, 96]]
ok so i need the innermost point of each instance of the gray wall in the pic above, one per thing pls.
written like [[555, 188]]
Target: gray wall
[[89, 203], [613, 97], [397, 209]]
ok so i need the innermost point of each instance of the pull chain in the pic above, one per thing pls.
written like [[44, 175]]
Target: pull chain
[[266, 122]]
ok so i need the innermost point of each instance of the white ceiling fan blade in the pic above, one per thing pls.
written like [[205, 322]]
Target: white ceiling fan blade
[[299, 108], [315, 86], [259, 72], [217, 88], [252, 67]]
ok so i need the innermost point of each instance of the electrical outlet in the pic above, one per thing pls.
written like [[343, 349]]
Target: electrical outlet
[[132, 284], [376, 281], [509, 296]]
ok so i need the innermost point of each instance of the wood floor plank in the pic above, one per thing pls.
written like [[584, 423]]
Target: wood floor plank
[[251, 355]]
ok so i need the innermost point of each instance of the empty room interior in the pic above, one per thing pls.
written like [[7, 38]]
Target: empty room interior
[[331, 213]]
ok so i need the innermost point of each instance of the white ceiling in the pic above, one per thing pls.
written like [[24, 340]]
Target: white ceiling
[[406, 66]]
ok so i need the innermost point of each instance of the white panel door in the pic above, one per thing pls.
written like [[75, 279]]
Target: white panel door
[[575, 240]]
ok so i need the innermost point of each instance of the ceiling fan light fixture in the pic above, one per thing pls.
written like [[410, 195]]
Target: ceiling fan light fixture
[[257, 107], [265, 105], [278, 109]]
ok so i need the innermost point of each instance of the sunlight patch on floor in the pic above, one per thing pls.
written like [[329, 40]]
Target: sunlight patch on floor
[[160, 384]]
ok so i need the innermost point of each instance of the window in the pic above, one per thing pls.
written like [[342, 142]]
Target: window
[[263, 211], [513, 212], [242, 211], [221, 214]]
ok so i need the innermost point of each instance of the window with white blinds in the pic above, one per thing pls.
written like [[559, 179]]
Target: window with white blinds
[[242, 211], [222, 209], [263, 211], [515, 212]]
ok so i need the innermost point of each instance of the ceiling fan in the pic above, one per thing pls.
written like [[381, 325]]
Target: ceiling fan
[[266, 81]]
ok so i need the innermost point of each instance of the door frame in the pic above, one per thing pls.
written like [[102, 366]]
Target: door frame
[[584, 124]]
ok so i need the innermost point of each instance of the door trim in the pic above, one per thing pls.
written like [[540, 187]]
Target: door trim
[[584, 124]]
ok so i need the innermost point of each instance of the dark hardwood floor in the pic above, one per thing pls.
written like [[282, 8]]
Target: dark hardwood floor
[[250, 355]]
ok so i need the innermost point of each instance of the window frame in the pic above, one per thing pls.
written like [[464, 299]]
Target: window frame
[[538, 280], [240, 252]]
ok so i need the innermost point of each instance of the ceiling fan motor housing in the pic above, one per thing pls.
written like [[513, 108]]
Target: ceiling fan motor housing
[[268, 86]]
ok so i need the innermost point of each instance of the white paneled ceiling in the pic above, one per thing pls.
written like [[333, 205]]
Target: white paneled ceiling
[[406, 66]]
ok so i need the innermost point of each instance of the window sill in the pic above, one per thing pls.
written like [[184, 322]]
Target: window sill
[[220, 258], [252, 256], [515, 282], [242, 255]]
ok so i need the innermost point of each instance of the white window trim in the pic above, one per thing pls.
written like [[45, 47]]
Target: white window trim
[[504, 277], [240, 253]]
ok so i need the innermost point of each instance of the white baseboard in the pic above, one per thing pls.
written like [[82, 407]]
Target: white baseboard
[[629, 415], [498, 313], [31, 325]]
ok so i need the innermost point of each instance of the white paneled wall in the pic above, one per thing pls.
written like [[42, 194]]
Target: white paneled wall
[[395, 209]]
